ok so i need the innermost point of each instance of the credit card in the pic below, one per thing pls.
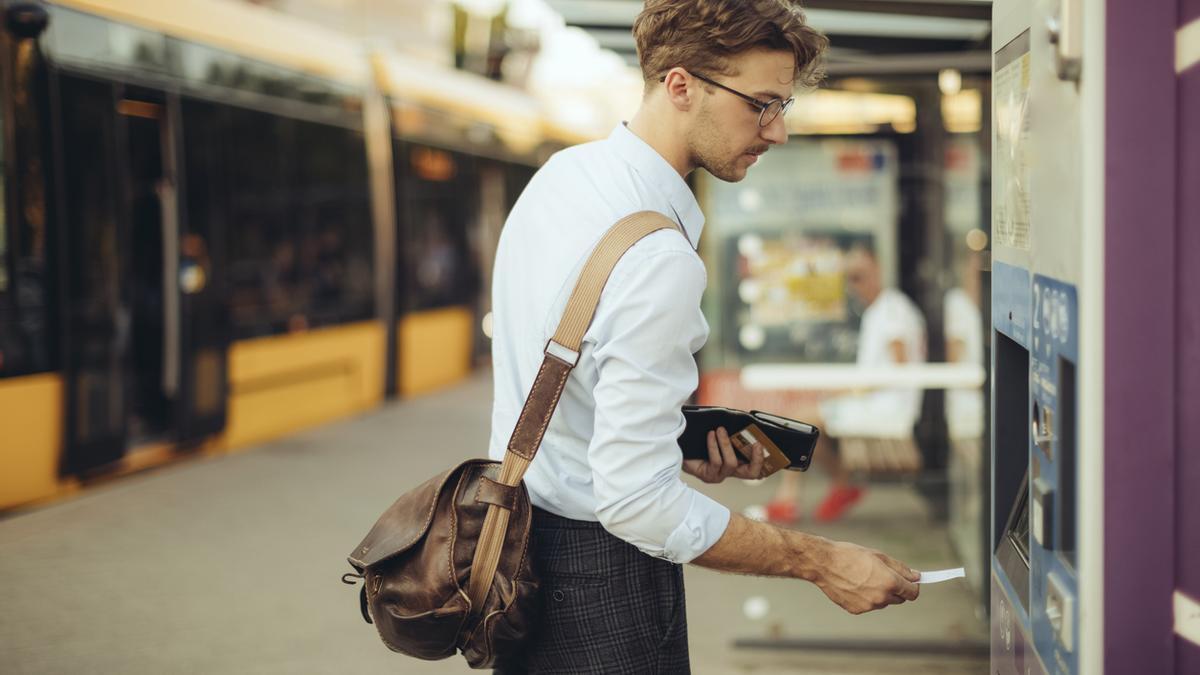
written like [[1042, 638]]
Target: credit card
[[773, 458]]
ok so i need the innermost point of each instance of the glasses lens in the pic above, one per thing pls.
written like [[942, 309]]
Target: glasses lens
[[770, 112]]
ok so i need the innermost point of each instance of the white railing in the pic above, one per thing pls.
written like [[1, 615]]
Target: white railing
[[833, 377]]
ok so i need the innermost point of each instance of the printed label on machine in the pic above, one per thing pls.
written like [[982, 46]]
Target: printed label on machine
[[1011, 91]]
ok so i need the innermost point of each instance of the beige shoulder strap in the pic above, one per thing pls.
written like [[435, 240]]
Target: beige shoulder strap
[[562, 353]]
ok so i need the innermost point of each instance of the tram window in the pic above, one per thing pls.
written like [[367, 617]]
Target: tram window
[[3, 237], [27, 344], [300, 232], [76, 36], [334, 233], [7, 343], [262, 270], [90, 200], [440, 204], [83, 38]]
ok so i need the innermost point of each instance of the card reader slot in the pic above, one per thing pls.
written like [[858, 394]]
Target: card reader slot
[[1067, 468]]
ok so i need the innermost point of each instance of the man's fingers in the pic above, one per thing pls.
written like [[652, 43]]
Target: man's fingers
[[901, 569], [727, 453], [756, 461], [905, 579], [696, 467], [907, 589], [710, 471], [714, 453], [755, 469], [723, 459]]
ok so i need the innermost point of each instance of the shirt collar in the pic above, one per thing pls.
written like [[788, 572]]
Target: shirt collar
[[657, 171]]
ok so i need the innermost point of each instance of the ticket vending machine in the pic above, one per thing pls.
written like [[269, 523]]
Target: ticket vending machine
[[1038, 276], [1095, 519]]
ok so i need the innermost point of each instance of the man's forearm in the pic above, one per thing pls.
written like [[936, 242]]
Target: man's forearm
[[856, 578], [752, 547]]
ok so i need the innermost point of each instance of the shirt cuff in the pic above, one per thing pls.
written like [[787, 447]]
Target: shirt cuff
[[703, 525]]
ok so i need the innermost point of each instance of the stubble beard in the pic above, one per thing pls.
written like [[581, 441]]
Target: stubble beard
[[706, 150]]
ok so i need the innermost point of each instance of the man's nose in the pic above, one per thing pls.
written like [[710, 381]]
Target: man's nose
[[775, 133]]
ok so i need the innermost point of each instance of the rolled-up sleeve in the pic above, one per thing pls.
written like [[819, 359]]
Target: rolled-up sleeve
[[648, 325]]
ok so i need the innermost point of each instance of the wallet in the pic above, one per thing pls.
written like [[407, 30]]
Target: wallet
[[789, 443]]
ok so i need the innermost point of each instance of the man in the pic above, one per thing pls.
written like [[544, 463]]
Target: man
[[963, 325], [892, 332], [613, 519]]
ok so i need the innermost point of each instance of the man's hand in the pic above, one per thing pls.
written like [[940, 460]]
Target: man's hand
[[857, 579], [861, 579], [722, 460]]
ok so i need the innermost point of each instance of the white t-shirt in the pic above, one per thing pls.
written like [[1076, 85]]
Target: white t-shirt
[[963, 322], [883, 412]]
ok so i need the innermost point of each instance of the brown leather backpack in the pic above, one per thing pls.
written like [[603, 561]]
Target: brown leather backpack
[[447, 567]]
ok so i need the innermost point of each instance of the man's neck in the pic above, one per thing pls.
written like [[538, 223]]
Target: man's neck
[[662, 138]]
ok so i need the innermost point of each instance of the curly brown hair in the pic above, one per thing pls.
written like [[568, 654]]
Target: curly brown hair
[[704, 35]]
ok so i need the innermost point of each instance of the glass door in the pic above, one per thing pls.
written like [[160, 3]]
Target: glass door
[[198, 145], [151, 366], [96, 318]]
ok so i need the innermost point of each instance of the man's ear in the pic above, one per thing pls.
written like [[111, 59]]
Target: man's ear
[[681, 88]]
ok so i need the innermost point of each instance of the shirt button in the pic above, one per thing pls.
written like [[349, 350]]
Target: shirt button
[[559, 596]]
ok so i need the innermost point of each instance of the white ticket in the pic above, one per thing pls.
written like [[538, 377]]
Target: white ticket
[[942, 575]]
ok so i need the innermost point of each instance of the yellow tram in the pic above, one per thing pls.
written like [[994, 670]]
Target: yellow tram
[[222, 225]]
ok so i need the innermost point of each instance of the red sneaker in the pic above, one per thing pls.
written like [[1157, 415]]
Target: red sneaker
[[782, 512], [837, 502]]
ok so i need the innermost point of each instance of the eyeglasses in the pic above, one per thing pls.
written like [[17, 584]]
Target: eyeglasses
[[767, 110]]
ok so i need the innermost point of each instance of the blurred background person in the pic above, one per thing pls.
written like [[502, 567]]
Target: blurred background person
[[892, 332], [963, 324]]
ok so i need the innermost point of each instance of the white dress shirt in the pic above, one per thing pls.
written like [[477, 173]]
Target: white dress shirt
[[610, 452]]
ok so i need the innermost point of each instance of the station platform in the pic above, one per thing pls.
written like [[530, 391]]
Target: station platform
[[232, 564]]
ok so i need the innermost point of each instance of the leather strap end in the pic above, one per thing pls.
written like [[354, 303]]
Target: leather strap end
[[498, 494], [539, 406]]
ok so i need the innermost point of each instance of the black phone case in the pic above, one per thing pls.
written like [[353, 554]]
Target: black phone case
[[797, 444]]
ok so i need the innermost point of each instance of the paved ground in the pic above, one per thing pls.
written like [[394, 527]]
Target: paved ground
[[232, 565]]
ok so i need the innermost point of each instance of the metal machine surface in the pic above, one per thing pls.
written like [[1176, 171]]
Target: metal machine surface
[[1091, 305], [1037, 276]]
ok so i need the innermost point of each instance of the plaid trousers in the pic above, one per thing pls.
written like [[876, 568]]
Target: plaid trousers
[[606, 606]]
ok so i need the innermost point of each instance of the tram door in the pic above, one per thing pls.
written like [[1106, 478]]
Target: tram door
[[176, 364], [96, 322], [151, 365], [135, 281]]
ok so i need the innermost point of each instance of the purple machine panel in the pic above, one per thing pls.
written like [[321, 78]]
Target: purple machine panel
[[1152, 360], [1150, 417]]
